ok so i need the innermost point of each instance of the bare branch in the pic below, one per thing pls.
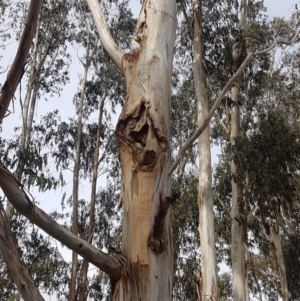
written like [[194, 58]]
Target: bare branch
[[224, 207], [205, 123], [104, 33], [18, 198], [15, 266], [277, 42], [17, 69], [230, 83]]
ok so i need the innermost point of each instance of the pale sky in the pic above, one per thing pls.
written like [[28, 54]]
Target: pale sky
[[280, 8]]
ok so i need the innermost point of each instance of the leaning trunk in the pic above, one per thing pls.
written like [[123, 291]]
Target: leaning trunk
[[208, 282], [237, 227], [143, 133]]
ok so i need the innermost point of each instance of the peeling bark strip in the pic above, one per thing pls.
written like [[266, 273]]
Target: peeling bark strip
[[156, 240], [17, 69], [15, 265], [17, 197]]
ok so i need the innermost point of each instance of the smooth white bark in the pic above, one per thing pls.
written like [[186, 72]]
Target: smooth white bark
[[104, 33], [208, 285]]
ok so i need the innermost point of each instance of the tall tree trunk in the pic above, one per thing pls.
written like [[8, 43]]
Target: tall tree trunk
[[208, 284], [276, 242], [143, 133], [237, 227], [72, 294], [85, 264]]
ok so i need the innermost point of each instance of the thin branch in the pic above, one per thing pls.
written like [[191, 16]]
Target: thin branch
[[224, 207], [255, 278], [223, 124], [278, 42], [17, 69]]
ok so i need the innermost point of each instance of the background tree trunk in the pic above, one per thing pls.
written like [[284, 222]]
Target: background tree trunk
[[237, 227], [276, 242], [72, 295], [85, 263], [208, 284]]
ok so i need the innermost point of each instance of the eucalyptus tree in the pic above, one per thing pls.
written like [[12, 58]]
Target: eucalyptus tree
[[143, 268], [208, 274]]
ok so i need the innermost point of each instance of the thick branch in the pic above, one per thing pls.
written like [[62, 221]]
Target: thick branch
[[17, 197], [205, 123], [17, 69], [15, 266], [104, 33]]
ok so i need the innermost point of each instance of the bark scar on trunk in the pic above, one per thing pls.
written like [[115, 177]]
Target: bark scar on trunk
[[139, 132], [156, 240]]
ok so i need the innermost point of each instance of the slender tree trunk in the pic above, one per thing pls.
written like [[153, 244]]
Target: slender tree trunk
[[85, 264], [72, 294], [276, 241], [208, 283], [237, 227]]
